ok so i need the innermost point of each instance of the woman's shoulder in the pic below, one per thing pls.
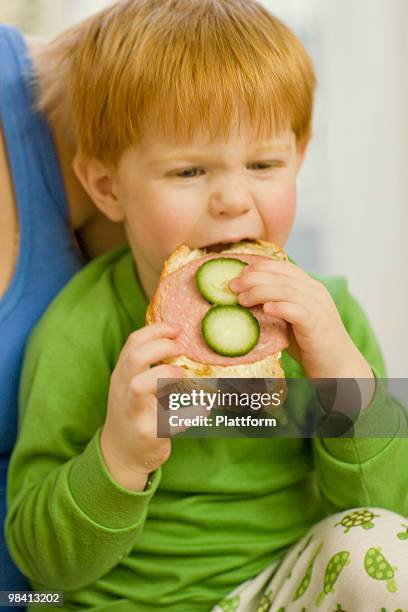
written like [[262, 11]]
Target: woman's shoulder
[[35, 42]]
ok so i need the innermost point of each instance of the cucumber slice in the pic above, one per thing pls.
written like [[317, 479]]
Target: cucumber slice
[[230, 330], [213, 277]]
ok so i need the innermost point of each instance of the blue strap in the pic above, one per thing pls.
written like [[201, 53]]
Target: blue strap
[[48, 254], [34, 167], [18, 116]]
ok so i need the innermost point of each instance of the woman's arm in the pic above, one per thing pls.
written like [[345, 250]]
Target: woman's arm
[[8, 222]]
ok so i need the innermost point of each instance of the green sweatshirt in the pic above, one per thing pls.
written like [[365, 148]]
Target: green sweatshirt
[[214, 515]]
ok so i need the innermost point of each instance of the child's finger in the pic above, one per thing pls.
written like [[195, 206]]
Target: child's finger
[[142, 357], [276, 292], [146, 382], [285, 268], [253, 279], [295, 314], [151, 332]]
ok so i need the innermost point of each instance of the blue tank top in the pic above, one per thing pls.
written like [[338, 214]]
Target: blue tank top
[[48, 255]]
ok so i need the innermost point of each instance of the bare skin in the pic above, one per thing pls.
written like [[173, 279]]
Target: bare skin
[[95, 233]]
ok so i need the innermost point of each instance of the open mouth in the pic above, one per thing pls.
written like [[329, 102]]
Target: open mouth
[[221, 246], [217, 248]]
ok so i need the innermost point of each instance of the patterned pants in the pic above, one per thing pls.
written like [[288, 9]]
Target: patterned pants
[[353, 561]]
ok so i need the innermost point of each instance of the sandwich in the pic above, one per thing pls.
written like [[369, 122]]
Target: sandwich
[[219, 337]]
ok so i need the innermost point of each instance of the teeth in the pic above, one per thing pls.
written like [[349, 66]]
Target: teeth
[[220, 246]]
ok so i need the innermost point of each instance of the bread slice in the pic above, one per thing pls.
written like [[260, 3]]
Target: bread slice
[[268, 367]]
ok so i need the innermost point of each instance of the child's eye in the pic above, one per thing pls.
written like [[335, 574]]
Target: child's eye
[[194, 172], [189, 173], [264, 165]]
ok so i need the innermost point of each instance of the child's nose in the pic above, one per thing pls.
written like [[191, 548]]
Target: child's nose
[[232, 199]]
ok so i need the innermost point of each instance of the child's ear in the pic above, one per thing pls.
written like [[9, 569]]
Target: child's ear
[[98, 182], [301, 147]]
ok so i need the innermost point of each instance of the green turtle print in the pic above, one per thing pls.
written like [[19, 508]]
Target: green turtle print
[[403, 535], [333, 570], [339, 608], [378, 568], [360, 518], [300, 553], [266, 601], [305, 582], [229, 604]]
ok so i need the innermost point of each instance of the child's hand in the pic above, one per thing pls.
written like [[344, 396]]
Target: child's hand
[[128, 440], [318, 338]]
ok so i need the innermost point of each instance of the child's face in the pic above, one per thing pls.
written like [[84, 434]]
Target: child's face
[[205, 193]]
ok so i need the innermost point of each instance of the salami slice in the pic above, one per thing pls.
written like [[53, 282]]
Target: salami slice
[[182, 304]]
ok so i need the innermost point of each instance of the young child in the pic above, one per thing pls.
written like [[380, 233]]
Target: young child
[[192, 119]]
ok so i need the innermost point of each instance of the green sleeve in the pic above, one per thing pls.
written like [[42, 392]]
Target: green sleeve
[[68, 522], [366, 470]]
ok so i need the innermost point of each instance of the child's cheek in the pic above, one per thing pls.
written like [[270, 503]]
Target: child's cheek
[[171, 229], [280, 213], [173, 225]]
